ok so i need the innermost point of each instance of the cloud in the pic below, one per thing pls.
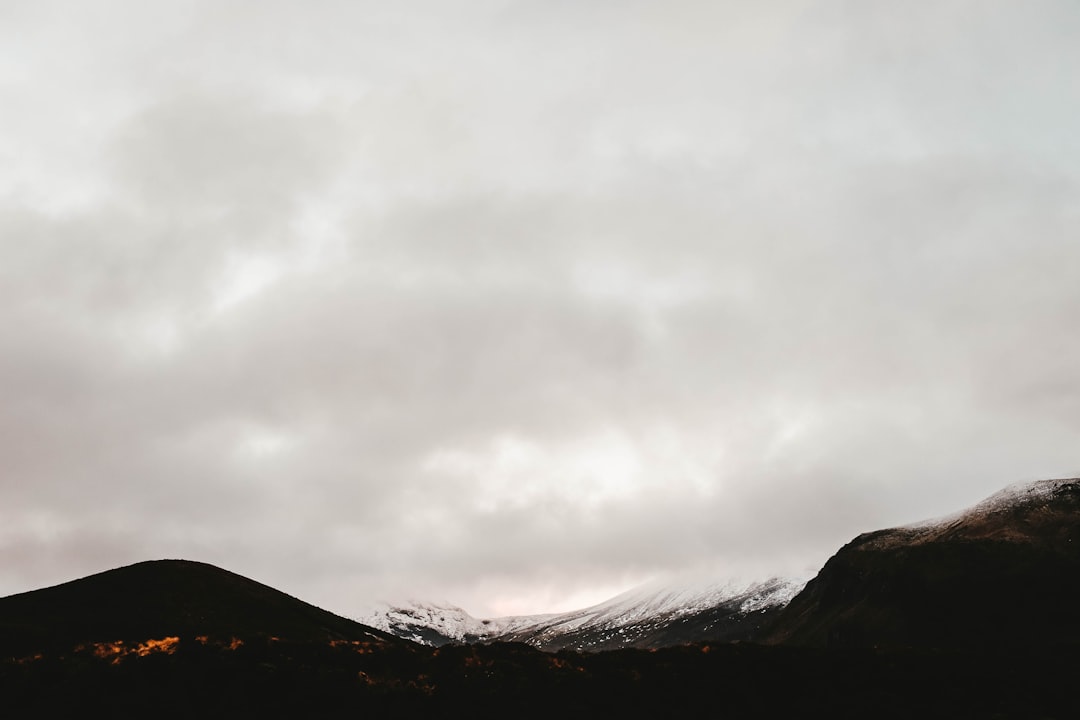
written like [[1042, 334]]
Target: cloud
[[527, 300]]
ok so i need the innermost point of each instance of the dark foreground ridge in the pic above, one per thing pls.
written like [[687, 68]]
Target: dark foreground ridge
[[262, 677], [164, 598], [973, 616]]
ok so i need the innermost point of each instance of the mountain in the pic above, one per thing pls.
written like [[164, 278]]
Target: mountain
[[439, 624], [656, 616], [968, 616], [1004, 573], [164, 598], [651, 616]]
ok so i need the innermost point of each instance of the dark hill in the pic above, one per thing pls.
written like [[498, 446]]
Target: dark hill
[[327, 666], [164, 598], [1004, 573]]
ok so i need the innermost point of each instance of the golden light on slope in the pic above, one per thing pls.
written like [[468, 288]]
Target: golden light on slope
[[232, 643], [166, 645], [116, 651], [29, 659]]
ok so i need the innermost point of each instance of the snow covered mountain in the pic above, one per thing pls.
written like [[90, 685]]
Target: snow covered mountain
[[1004, 572], [443, 624], [651, 616], [1018, 512]]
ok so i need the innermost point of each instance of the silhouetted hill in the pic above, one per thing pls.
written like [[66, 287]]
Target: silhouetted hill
[[186, 640], [164, 598], [1003, 573]]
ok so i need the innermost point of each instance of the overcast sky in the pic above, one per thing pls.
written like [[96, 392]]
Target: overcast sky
[[518, 303]]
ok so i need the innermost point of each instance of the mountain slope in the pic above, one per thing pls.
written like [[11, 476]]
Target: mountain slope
[[658, 616], [440, 624], [164, 598], [652, 616], [1005, 572]]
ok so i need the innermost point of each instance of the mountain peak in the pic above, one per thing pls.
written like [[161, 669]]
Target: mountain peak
[[1004, 572], [1022, 512], [159, 598]]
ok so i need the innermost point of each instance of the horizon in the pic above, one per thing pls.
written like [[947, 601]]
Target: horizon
[[683, 580], [520, 304]]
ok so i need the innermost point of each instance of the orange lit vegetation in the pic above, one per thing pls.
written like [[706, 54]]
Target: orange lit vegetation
[[472, 661], [560, 664], [360, 647], [115, 651], [118, 650], [166, 645], [29, 659], [231, 644]]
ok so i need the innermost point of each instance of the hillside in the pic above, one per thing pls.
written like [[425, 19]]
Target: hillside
[[1005, 572], [967, 616], [164, 598]]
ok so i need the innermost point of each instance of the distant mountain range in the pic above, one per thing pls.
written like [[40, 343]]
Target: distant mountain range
[[1006, 570], [652, 616], [973, 615]]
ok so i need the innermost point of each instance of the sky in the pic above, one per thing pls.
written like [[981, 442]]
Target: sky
[[516, 304]]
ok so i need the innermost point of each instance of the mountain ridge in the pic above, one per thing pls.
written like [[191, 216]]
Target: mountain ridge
[[1003, 572], [972, 615], [650, 616]]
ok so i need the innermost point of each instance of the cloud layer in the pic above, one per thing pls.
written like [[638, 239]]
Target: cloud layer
[[517, 303]]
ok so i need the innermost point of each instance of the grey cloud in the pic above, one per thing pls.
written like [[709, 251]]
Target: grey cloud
[[492, 302], [223, 154]]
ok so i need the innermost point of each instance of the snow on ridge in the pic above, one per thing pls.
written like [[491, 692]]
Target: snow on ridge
[[660, 598], [663, 602], [1022, 493], [410, 618], [658, 601], [1016, 494], [404, 619], [781, 592]]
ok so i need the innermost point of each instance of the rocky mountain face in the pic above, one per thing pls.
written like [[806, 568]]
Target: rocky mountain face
[[652, 616], [1004, 573]]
